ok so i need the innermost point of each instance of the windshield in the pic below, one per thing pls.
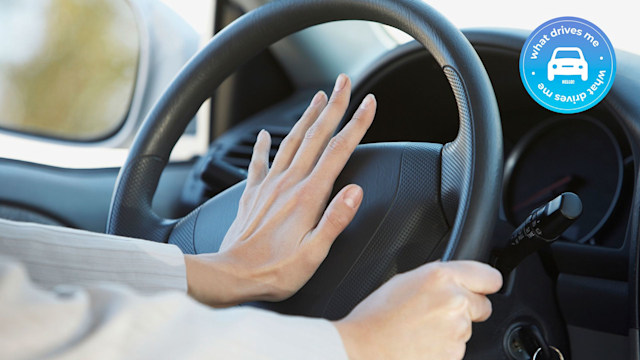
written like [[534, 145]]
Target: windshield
[[617, 18]]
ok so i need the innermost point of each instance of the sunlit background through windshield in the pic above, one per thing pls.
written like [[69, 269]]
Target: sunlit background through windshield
[[617, 18]]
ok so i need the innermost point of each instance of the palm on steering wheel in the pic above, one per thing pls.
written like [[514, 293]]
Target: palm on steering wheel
[[424, 201]]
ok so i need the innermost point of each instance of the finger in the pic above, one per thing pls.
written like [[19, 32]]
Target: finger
[[259, 165], [318, 135], [475, 276], [341, 146], [337, 216], [479, 307], [292, 141]]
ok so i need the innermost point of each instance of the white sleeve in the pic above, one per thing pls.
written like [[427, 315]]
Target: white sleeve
[[112, 322], [56, 255], [99, 316]]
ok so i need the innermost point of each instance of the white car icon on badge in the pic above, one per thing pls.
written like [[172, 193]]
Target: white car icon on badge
[[567, 61]]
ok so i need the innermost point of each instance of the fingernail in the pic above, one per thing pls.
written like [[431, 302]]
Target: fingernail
[[317, 98], [340, 82], [367, 101], [353, 196], [262, 134]]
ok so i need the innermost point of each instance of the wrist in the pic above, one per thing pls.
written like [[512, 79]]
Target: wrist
[[352, 339], [212, 280]]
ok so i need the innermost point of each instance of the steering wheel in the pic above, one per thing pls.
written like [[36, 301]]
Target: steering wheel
[[423, 201]]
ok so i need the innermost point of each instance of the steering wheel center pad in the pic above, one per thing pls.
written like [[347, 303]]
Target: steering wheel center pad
[[460, 179], [399, 226]]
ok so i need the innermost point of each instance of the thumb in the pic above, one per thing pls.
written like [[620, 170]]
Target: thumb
[[338, 215]]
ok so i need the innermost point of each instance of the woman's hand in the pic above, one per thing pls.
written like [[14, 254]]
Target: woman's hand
[[284, 228], [425, 313]]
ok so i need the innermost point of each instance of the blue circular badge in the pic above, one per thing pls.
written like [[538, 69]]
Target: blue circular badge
[[567, 65]]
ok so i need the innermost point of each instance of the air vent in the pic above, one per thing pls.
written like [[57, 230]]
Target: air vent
[[239, 155], [227, 166]]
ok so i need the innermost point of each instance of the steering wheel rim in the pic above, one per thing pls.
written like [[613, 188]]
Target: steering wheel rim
[[471, 164]]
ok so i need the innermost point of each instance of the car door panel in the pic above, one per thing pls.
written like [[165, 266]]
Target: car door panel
[[75, 198]]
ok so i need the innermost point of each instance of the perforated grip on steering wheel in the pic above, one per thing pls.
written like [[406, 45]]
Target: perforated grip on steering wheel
[[470, 163]]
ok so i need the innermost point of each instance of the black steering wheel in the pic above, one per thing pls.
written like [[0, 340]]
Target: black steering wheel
[[422, 201]]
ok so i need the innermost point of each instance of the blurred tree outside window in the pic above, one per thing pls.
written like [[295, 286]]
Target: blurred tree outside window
[[67, 67]]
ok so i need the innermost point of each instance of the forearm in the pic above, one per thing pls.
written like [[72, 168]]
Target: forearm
[[353, 338]]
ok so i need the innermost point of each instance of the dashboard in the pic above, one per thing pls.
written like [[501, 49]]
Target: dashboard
[[592, 154], [546, 154]]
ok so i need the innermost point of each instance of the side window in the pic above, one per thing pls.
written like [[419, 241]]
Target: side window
[[67, 67]]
